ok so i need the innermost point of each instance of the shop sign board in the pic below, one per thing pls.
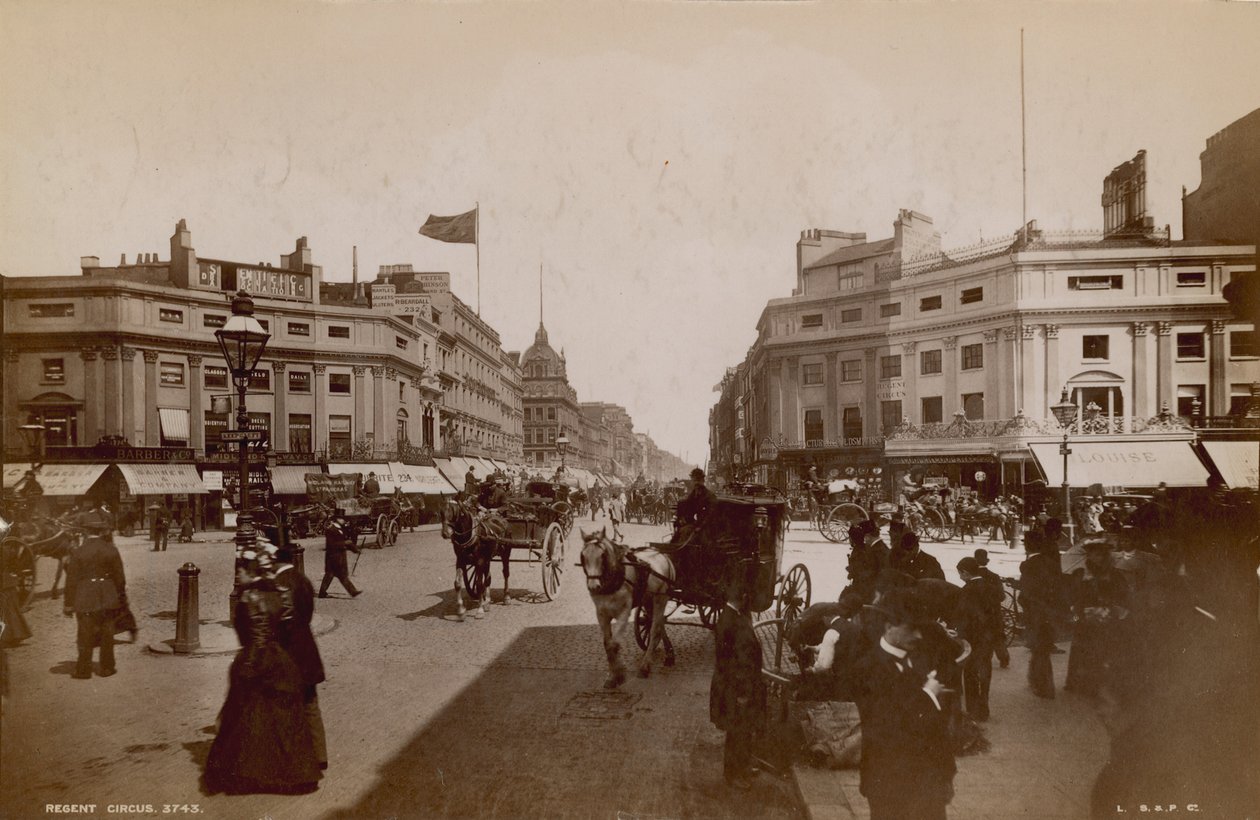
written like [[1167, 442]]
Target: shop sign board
[[274, 283], [890, 389]]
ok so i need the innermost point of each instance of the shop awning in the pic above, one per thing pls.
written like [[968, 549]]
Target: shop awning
[[383, 475], [69, 479], [290, 479], [174, 423], [461, 464], [412, 478], [1236, 461], [1122, 463], [450, 471], [13, 474], [162, 479]]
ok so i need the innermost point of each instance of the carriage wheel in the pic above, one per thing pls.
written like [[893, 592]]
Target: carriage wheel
[[382, 530], [552, 560], [936, 525], [841, 517], [643, 625], [395, 529], [473, 582], [1010, 614], [19, 562], [794, 595]]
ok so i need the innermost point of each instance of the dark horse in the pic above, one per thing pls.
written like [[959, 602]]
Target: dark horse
[[475, 537]]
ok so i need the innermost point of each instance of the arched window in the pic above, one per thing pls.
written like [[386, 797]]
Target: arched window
[[400, 434], [427, 425]]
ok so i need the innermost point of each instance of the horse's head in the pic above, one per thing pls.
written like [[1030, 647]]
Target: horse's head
[[601, 561]]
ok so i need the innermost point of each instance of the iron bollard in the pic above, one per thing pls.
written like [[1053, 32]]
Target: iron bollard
[[187, 614]]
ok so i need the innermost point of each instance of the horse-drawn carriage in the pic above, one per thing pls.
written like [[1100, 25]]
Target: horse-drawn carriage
[[536, 521], [369, 516], [33, 537], [741, 536]]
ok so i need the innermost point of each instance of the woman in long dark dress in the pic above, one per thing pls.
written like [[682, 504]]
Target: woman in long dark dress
[[264, 742]]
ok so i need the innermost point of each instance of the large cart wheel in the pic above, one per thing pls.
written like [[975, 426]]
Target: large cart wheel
[[382, 530], [395, 529], [1011, 625], [936, 526], [19, 562], [552, 560], [643, 625], [708, 614], [794, 595], [473, 582], [841, 517]]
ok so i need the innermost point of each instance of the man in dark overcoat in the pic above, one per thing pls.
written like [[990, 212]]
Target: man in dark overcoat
[[913, 561], [737, 693], [907, 768], [338, 537], [95, 586], [297, 596], [997, 588], [1041, 594], [977, 620]]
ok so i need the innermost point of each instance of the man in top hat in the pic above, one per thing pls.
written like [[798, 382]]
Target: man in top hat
[[997, 588], [907, 768], [338, 537], [95, 586], [1041, 593], [471, 484], [694, 508], [977, 620]]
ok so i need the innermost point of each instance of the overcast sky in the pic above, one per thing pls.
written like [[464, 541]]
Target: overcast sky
[[659, 160]]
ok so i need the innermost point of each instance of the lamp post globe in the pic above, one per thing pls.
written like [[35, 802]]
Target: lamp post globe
[[242, 340], [562, 444], [1065, 413]]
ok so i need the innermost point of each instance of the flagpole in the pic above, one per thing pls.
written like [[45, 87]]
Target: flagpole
[[477, 245], [1023, 138]]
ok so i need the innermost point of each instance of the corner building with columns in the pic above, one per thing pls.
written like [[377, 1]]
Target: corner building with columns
[[896, 355], [121, 367]]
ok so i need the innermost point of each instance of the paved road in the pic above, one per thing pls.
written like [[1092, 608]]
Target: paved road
[[426, 717]]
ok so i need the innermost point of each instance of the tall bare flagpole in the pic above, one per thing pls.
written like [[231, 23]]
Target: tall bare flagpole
[[476, 243], [540, 313], [1023, 137]]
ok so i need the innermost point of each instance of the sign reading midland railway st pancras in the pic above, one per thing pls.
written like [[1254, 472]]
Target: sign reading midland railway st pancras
[[273, 283]]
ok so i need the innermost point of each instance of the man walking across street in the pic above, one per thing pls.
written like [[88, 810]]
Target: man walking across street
[[978, 620], [1041, 594], [339, 537], [997, 588], [616, 513], [95, 585], [161, 527]]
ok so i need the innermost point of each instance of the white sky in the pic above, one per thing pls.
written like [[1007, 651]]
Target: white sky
[[659, 159]]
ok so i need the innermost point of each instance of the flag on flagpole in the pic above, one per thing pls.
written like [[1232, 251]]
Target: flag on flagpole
[[459, 228]]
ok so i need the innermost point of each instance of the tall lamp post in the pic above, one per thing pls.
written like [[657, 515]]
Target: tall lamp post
[[1065, 414], [33, 435], [242, 340]]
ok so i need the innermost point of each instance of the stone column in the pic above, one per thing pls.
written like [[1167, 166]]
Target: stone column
[[993, 384], [378, 406], [950, 400], [113, 400], [774, 370], [392, 405], [1006, 360], [1141, 379], [320, 427], [126, 384], [91, 397], [1165, 392], [910, 374], [12, 419], [359, 425], [831, 413], [196, 405], [280, 425], [870, 380], [1029, 399], [152, 424], [1054, 382], [1218, 387], [792, 400]]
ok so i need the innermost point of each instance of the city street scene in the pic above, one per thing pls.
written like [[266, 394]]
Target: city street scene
[[629, 411]]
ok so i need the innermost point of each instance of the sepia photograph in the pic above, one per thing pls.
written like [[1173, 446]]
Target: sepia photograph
[[629, 409]]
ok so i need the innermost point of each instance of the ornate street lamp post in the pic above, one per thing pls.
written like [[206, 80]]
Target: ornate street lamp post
[[1065, 414], [242, 340], [562, 445]]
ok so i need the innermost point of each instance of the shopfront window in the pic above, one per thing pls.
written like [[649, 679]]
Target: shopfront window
[[215, 424], [338, 434], [300, 439]]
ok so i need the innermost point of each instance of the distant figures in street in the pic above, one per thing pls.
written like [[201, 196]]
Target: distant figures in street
[[265, 742], [96, 586], [161, 527]]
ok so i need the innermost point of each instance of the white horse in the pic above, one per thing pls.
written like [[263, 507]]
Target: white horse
[[619, 580]]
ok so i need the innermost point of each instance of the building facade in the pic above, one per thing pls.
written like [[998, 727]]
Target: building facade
[[1226, 205], [552, 414], [127, 354]]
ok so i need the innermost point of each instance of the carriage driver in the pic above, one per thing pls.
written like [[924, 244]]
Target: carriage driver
[[495, 492], [693, 509]]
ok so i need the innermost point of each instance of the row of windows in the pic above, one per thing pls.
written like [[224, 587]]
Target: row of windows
[[890, 412], [536, 414], [301, 439], [813, 321], [1190, 346]]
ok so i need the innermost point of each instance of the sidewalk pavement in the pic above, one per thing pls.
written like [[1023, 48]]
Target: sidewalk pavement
[[1043, 758]]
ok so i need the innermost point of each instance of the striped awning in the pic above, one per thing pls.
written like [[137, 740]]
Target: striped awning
[[290, 479], [13, 474], [174, 423], [162, 479], [414, 478], [68, 479]]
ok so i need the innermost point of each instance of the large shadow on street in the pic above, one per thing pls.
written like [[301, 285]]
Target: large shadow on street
[[536, 736]]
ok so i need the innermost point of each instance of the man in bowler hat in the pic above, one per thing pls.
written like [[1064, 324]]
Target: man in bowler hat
[[338, 537], [737, 693], [95, 586]]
